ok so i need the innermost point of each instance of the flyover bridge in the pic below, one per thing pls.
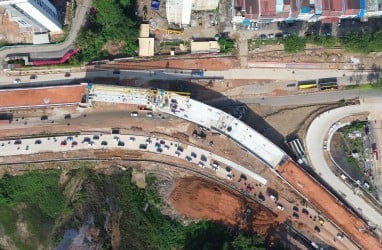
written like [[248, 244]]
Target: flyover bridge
[[196, 112]]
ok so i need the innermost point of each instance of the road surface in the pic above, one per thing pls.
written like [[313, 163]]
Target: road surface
[[296, 100], [314, 145]]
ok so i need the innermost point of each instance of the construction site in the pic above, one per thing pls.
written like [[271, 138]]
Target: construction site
[[106, 107]]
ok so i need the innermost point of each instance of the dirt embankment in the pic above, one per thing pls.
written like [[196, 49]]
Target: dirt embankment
[[201, 199], [221, 63]]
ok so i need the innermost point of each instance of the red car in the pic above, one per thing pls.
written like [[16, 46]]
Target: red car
[[63, 143]]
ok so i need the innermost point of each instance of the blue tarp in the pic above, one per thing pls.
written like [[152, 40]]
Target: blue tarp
[[246, 22], [155, 4], [305, 9], [362, 10]]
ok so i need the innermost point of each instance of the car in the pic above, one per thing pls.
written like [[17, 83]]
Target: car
[[149, 141], [162, 142], [177, 153], [2, 144], [27, 147], [229, 177], [317, 229], [116, 138], [143, 146], [134, 114], [180, 149], [167, 147], [74, 143], [305, 211], [95, 137], [188, 158], [104, 143], [17, 80], [322, 221], [203, 158], [121, 143], [18, 142], [116, 72], [295, 208], [70, 138], [67, 74], [271, 35], [132, 139], [201, 164], [274, 198], [149, 115], [215, 164], [33, 77], [279, 35], [63, 143], [159, 150], [193, 154], [280, 207], [340, 236], [263, 36], [228, 169], [37, 141], [295, 215], [285, 35]]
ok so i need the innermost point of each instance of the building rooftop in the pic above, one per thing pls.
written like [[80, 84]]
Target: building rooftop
[[204, 47], [144, 30], [268, 8], [146, 46], [41, 96], [331, 7]]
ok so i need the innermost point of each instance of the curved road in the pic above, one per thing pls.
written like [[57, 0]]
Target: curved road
[[44, 51], [314, 143]]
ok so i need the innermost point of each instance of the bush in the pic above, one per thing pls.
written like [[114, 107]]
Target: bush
[[35, 188], [227, 45], [294, 44], [363, 42]]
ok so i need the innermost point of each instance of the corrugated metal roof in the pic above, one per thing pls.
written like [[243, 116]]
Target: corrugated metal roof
[[268, 8]]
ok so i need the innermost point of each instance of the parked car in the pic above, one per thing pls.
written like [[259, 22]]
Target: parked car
[[33, 77], [67, 74], [317, 229], [104, 143], [271, 36], [279, 35], [134, 114], [17, 80], [263, 36], [149, 115], [188, 158], [37, 142], [280, 207], [193, 154]]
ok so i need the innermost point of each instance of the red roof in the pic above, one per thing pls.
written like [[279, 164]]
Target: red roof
[[251, 8], [268, 8], [332, 5]]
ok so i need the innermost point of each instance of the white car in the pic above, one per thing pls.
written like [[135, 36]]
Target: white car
[[17, 80], [281, 207], [201, 164]]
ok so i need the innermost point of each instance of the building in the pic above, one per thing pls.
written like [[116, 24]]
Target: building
[[33, 15], [146, 43], [203, 5], [331, 11], [179, 12], [205, 47]]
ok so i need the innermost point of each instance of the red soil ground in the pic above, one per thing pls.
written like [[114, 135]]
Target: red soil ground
[[201, 199], [327, 203], [41, 96]]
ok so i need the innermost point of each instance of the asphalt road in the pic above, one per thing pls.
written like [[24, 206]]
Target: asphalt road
[[314, 145], [131, 142], [299, 99]]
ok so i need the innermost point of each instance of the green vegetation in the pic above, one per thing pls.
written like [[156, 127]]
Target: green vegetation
[[324, 41], [142, 220], [35, 188], [109, 21], [294, 44], [227, 46], [363, 42], [34, 199]]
